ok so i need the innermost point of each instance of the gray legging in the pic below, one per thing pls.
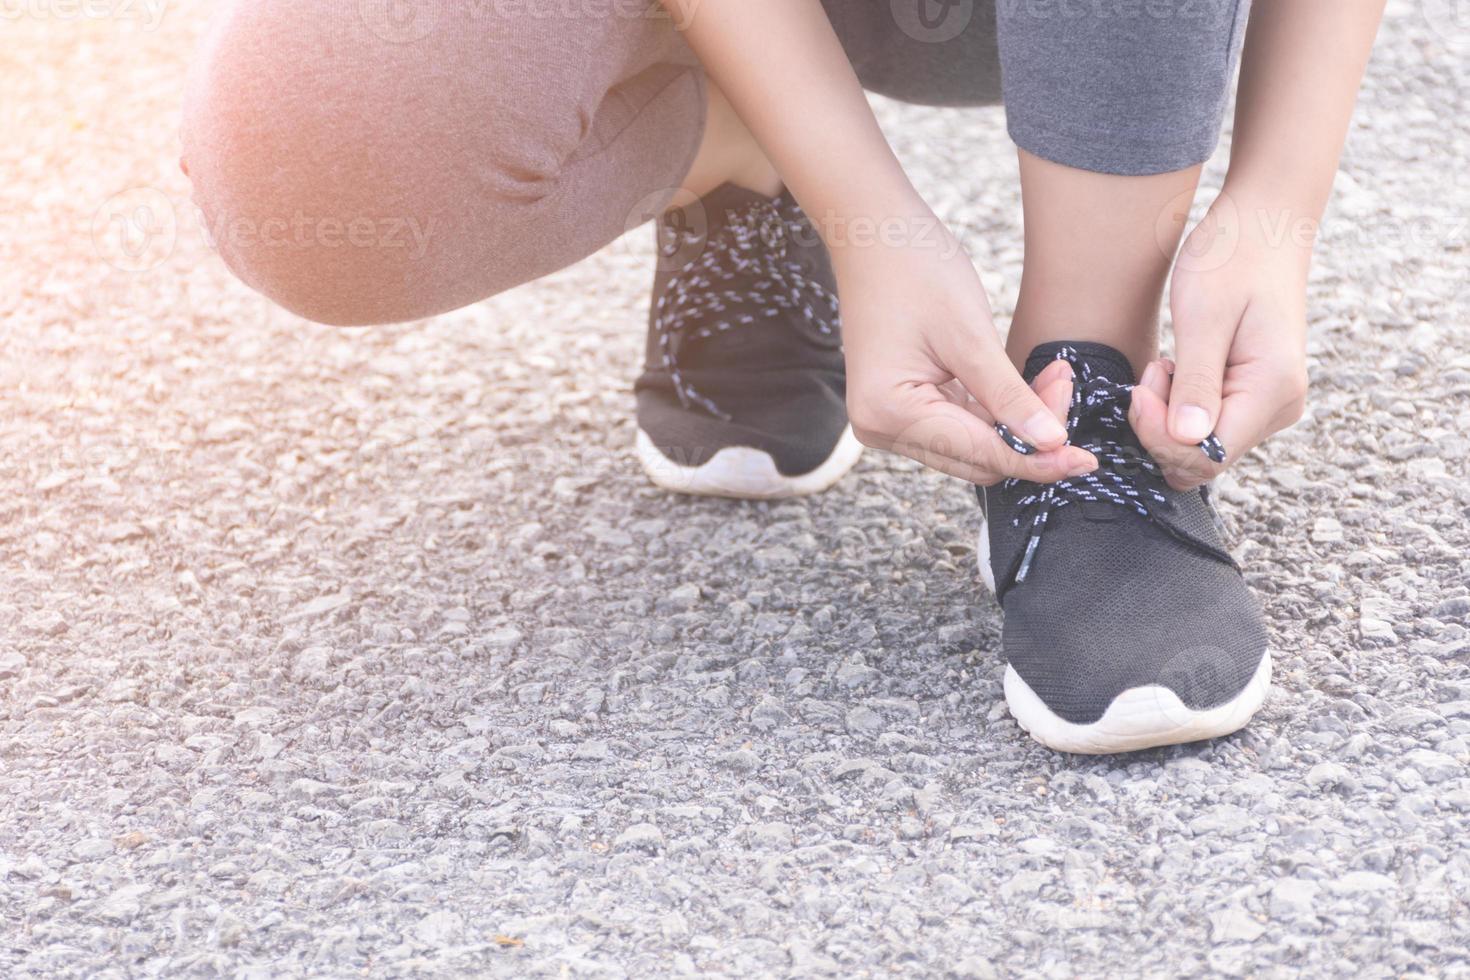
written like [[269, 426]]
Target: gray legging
[[369, 161]]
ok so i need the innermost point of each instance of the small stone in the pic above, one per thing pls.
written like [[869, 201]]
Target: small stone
[[1327, 775], [48, 623], [864, 721], [741, 760], [682, 599], [122, 905], [504, 638], [1456, 608], [120, 532], [92, 849], [1327, 530], [971, 832], [768, 836], [438, 928], [310, 789], [1435, 767], [1377, 631], [320, 606], [768, 714], [1292, 897], [640, 837], [1225, 819], [1025, 884], [1362, 882], [385, 830], [226, 430], [974, 968], [852, 676], [1234, 924], [312, 661], [593, 751]]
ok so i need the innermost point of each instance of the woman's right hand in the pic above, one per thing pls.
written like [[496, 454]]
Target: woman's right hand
[[927, 376]]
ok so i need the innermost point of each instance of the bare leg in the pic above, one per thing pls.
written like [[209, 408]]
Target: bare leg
[[729, 153], [1098, 252]]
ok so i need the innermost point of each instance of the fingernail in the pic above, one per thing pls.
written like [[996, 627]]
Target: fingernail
[[1082, 469], [1192, 422], [1043, 427], [1150, 375]]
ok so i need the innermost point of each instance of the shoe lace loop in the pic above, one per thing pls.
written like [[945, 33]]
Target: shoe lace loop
[[744, 273], [1126, 476]]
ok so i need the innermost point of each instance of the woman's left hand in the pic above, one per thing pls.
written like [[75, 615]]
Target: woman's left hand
[[1238, 300]]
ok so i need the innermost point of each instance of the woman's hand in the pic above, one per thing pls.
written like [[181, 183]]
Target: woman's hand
[[927, 376], [1238, 300], [1239, 292]]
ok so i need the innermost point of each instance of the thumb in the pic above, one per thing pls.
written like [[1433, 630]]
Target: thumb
[[1202, 349]]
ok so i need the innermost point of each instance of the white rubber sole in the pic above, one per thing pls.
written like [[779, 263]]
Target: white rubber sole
[[746, 473], [1138, 718]]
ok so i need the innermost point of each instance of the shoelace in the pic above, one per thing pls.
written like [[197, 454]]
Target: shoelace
[[747, 264], [1104, 405]]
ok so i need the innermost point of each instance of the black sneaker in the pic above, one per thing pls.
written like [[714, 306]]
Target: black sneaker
[[743, 390], [1127, 623]]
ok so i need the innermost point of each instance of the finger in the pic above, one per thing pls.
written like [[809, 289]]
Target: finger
[[1184, 466], [951, 439], [1156, 378], [978, 475], [1054, 385], [1203, 344], [989, 376], [1248, 416], [1162, 384]]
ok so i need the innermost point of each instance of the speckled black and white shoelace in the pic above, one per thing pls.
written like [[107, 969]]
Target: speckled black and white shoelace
[[744, 273], [1126, 476]]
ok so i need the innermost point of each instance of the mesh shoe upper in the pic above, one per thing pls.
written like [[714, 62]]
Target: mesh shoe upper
[[744, 342], [1120, 581]]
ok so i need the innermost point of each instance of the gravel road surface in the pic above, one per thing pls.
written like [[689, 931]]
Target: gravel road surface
[[371, 652]]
